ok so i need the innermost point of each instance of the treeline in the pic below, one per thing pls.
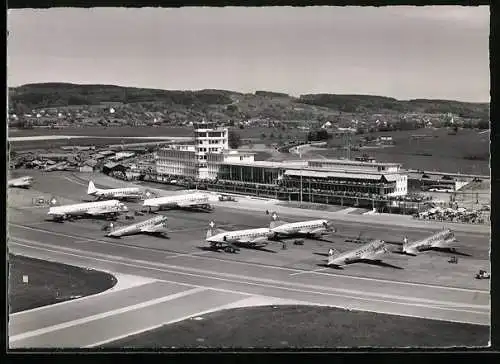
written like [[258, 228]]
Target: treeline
[[63, 94], [271, 94], [276, 105], [380, 104]]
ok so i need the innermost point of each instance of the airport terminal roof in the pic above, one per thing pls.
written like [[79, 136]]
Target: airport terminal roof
[[331, 174], [269, 164], [351, 162]]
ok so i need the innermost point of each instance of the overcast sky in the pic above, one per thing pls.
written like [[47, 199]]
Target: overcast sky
[[402, 52]]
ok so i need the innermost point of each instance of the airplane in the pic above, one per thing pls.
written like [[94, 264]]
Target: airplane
[[311, 228], [188, 201], [440, 240], [21, 182], [114, 193], [102, 208], [364, 254], [229, 240], [156, 225]]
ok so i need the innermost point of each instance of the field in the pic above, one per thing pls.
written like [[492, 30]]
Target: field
[[439, 151], [163, 131], [50, 283], [306, 327], [57, 143], [444, 152]]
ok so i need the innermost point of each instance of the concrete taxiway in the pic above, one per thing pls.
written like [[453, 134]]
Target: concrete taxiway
[[181, 279]]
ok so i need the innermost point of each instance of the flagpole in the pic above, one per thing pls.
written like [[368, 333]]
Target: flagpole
[[301, 170]]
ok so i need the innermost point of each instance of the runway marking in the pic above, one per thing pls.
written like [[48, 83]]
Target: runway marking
[[103, 315], [205, 272], [186, 254], [265, 265], [219, 308], [74, 181], [119, 286], [262, 283], [309, 271]]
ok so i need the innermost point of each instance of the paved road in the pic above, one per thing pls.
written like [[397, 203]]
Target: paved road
[[190, 281]]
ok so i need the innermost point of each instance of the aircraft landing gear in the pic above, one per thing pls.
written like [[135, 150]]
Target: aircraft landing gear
[[229, 249]]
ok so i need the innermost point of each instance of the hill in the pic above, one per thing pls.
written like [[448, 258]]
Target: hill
[[228, 105]]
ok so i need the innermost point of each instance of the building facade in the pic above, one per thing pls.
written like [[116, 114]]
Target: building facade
[[210, 141], [208, 138], [319, 177]]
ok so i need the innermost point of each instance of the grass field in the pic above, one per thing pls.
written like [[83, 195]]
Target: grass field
[[155, 131], [307, 327], [446, 151], [441, 151], [57, 143], [50, 283]]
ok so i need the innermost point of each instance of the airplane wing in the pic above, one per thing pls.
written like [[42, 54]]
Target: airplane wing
[[191, 203], [154, 229], [98, 211], [258, 240]]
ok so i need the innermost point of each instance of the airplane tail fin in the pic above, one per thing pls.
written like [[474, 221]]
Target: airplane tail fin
[[332, 254], [275, 220], [212, 230], [92, 189], [53, 201]]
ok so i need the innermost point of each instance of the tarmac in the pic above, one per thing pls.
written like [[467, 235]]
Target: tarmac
[[165, 280]]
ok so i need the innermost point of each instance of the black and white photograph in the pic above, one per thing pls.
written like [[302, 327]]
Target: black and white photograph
[[248, 178]]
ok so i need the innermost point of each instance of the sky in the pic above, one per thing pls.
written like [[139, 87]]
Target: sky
[[406, 52]]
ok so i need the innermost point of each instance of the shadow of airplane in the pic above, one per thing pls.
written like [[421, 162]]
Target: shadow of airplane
[[321, 254], [451, 251], [263, 249], [215, 250], [363, 261], [441, 250], [158, 235]]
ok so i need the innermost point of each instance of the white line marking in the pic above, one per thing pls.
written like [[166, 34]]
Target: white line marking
[[213, 273], [104, 315], [74, 181], [120, 285], [269, 266], [309, 271], [219, 308], [370, 299]]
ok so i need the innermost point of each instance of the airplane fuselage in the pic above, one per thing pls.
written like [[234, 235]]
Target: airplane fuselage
[[156, 224], [441, 239], [190, 201], [369, 251], [249, 236], [110, 207], [22, 182], [313, 227]]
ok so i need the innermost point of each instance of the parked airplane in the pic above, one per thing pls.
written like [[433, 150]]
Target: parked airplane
[[21, 182], [440, 240], [188, 201], [229, 240], [310, 228], [367, 253], [102, 208], [156, 225], [114, 193]]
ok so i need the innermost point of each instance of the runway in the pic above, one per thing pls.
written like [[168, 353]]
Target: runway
[[190, 281]]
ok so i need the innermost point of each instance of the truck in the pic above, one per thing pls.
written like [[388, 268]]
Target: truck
[[482, 274]]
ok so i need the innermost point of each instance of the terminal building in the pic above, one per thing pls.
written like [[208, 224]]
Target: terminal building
[[318, 180]]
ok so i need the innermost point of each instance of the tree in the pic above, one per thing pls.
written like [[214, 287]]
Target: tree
[[234, 140]]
